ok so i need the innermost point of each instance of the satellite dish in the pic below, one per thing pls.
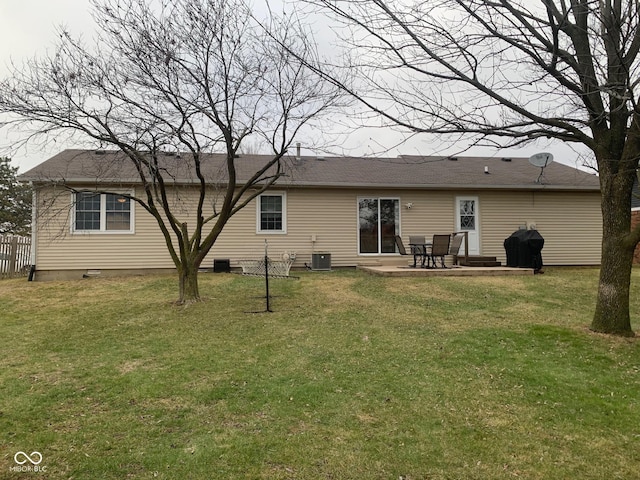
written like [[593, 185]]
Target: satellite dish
[[541, 159]]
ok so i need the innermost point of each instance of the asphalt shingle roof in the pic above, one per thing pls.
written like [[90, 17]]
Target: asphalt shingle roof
[[400, 172]]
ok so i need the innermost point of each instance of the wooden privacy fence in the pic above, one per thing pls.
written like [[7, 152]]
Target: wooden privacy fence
[[15, 256]]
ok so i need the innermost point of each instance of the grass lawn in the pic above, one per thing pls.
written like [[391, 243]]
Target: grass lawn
[[351, 377]]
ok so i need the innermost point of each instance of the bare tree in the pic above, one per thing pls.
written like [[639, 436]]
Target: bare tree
[[508, 72], [185, 76]]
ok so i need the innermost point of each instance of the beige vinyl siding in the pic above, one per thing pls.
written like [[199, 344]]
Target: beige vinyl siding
[[570, 223], [328, 215], [58, 248], [331, 216], [432, 212]]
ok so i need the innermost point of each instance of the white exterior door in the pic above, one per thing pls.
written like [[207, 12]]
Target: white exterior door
[[467, 220]]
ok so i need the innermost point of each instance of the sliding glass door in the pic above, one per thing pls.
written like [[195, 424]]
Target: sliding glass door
[[379, 222]]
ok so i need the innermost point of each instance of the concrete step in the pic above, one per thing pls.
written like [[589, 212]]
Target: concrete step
[[474, 263], [479, 261]]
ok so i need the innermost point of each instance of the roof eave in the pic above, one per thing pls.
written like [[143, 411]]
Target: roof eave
[[340, 185], [443, 186]]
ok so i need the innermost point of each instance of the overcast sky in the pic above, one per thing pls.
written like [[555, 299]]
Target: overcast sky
[[29, 27]]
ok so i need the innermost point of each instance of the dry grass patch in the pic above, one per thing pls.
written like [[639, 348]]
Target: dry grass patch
[[334, 292], [422, 288]]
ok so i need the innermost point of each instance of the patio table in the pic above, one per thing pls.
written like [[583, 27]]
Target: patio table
[[422, 248]]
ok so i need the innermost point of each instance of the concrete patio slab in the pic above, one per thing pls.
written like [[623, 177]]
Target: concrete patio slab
[[456, 271]]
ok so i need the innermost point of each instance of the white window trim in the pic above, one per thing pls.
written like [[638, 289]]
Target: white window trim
[[103, 205], [284, 213]]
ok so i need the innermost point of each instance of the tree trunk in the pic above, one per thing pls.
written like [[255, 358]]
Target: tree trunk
[[189, 290], [612, 307]]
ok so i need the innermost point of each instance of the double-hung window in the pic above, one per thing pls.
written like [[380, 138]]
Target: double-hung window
[[102, 213], [271, 213]]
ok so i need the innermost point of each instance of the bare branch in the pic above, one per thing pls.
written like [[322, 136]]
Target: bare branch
[[189, 77]]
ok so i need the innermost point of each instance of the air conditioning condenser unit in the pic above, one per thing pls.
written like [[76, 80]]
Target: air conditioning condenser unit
[[321, 261]]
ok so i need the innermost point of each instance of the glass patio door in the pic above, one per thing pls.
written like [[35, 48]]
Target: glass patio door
[[378, 223]]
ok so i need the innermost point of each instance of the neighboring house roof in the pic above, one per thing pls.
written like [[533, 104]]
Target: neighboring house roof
[[424, 172]]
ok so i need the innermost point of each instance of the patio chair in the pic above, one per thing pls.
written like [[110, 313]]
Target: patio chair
[[439, 248], [414, 250], [456, 243]]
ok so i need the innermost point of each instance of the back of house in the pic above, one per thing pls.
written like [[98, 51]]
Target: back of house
[[343, 210]]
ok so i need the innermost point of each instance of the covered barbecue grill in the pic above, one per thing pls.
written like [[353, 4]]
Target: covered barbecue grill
[[523, 249]]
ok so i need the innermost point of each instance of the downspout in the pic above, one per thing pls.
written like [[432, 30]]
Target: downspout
[[34, 216]]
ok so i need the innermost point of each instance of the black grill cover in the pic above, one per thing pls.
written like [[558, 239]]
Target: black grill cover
[[523, 249]]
